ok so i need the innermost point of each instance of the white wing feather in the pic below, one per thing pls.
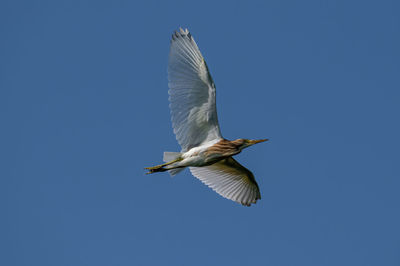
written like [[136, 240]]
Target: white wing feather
[[192, 93], [229, 179]]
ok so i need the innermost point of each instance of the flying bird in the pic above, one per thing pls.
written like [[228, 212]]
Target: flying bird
[[194, 120]]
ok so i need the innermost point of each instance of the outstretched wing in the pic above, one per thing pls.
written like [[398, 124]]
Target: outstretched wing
[[229, 179], [191, 93]]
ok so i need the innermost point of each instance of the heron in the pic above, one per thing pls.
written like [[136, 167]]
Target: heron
[[195, 124]]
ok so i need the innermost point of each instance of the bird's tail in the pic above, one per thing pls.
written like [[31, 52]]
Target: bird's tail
[[170, 156]]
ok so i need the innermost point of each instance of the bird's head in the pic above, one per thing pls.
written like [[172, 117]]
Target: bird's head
[[244, 143]]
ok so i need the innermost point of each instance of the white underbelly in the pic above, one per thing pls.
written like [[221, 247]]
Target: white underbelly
[[197, 156]]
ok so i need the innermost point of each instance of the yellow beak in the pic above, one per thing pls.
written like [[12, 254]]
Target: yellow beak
[[257, 141]]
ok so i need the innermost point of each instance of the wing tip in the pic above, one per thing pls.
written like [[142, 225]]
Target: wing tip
[[181, 33], [245, 202], [249, 203]]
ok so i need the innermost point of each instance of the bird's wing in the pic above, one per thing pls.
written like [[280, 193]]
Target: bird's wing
[[191, 93], [229, 179]]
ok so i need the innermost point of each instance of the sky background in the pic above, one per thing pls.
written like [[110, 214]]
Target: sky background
[[84, 108]]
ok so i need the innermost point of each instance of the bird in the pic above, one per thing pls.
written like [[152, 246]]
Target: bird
[[208, 155]]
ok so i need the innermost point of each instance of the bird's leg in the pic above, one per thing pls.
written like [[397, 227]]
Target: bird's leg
[[164, 164], [160, 168]]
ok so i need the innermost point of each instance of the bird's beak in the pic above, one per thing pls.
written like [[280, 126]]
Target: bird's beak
[[255, 141]]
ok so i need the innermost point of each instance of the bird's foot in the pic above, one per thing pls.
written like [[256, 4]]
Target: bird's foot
[[154, 169], [160, 168]]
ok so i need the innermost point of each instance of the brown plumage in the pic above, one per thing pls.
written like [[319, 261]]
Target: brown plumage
[[225, 148]]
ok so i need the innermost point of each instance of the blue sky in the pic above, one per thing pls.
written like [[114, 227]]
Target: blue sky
[[84, 107]]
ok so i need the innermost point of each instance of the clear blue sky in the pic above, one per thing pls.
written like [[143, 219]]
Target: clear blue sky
[[84, 107]]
